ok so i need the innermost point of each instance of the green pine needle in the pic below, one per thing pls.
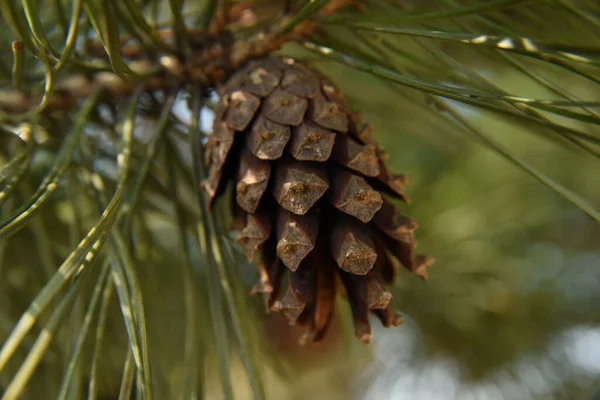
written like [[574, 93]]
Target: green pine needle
[[114, 175]]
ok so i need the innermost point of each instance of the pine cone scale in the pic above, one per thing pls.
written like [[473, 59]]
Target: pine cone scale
[[268, 139], [298, 186], [352, 247], [356, 292], [296, 236], [253, 178], [300, 81], [352, 195], [328, 115], [323, 313], [241, 109], [359, 158], [394, 225], [254, 234], [285, 108], [310, 187], [311, 143], [263, 80]]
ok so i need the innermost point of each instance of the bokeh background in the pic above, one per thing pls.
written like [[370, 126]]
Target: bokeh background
[[511, 309]]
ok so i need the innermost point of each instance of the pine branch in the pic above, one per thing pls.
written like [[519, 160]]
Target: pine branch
[[103, 110]]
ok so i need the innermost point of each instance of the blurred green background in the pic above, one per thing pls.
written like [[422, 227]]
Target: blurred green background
[[510, 311], [511, 307]]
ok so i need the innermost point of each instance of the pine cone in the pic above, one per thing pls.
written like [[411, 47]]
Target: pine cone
[[309, 196]]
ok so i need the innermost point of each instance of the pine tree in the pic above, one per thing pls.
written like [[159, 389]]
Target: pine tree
[[137, 134]]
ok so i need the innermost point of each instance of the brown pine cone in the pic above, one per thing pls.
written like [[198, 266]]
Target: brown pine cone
[[309, 196]]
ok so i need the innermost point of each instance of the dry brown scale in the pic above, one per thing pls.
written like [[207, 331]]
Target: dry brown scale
[[310, 187]]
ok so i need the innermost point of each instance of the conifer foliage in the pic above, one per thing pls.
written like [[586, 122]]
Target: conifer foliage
[[118, 278]]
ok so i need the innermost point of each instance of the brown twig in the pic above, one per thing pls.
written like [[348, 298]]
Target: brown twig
[[213, 57]]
